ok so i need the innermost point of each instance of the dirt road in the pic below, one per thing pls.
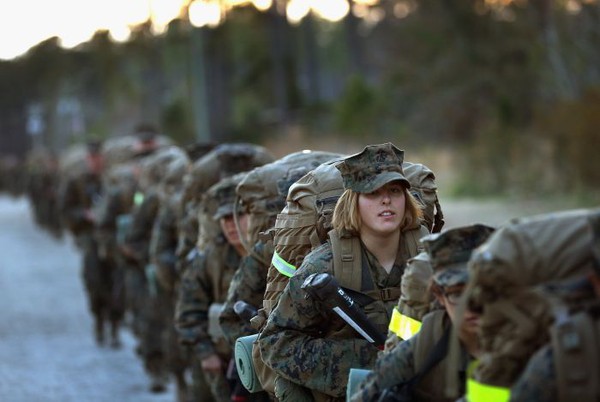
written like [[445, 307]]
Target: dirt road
[[47, 352]]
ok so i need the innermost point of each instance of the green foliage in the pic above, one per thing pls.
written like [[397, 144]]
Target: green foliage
[[359, 109], [571, 129], [176, 120], [511, 86]]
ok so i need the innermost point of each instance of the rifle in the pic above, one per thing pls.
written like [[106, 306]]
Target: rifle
[[326, 289]]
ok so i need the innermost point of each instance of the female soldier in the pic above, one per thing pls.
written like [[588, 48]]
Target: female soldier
[[377, 228], [418, 366]]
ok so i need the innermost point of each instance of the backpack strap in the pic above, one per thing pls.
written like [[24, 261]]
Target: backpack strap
[[412, 240], [404, 391], [576, 355], [347, 260]]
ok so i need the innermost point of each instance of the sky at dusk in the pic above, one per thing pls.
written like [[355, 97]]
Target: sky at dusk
[[24, 24]]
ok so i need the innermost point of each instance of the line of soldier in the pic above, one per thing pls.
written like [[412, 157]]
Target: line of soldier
[[180, 237]]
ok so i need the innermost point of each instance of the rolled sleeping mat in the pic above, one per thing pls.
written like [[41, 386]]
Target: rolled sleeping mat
[[245, 364], [355, 377]]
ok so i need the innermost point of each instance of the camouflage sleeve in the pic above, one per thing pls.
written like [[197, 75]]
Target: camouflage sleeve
[[248, 284], [293, 343], [188, 234], [191, 309], [391, 368], [110, 207], [138, 236], [71, 210], [537, 383], [162, 247]]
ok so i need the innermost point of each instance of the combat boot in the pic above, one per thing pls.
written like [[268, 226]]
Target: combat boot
[[115, 341], [99, 331], [157, 374], [158, 382]]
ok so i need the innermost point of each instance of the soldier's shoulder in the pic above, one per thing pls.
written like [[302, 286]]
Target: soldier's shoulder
[[324, 252], [319, 259]]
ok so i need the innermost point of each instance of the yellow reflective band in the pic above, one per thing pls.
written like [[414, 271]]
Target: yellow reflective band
[[403, 326], [479, 392], [284, 267], [138, 198]]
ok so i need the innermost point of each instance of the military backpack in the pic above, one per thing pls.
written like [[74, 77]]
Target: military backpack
[[523, 280]]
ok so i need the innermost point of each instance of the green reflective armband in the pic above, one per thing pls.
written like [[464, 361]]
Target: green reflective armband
[[138, 198], [284, 267], [403, 326], [480, 392]]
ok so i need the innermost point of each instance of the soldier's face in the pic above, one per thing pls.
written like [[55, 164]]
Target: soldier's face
[[95, 162], [382, 211], [230, 231], [450, 299]]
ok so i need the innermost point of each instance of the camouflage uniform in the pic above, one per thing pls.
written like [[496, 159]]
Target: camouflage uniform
[[117, 201], [42, 188], [197, 229], [248, 284], [223, 161], [201, 286], [203, 289], [449, 252], [142, 285], [131, 247], [310, 345], [79, 196], [162, 253]]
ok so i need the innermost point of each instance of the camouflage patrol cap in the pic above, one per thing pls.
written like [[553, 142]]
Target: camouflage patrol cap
[[450, 251], [235, 158], [372, 168], [145, 139], [225, 195]]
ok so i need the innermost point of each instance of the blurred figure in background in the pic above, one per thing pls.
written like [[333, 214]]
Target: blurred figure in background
[[42, 184], [79, 196], [204, 288]]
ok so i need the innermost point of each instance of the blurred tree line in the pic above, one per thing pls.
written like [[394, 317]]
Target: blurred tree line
[[512, 87]]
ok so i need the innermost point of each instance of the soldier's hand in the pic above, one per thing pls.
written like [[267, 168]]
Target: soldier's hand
[[212, 363]]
